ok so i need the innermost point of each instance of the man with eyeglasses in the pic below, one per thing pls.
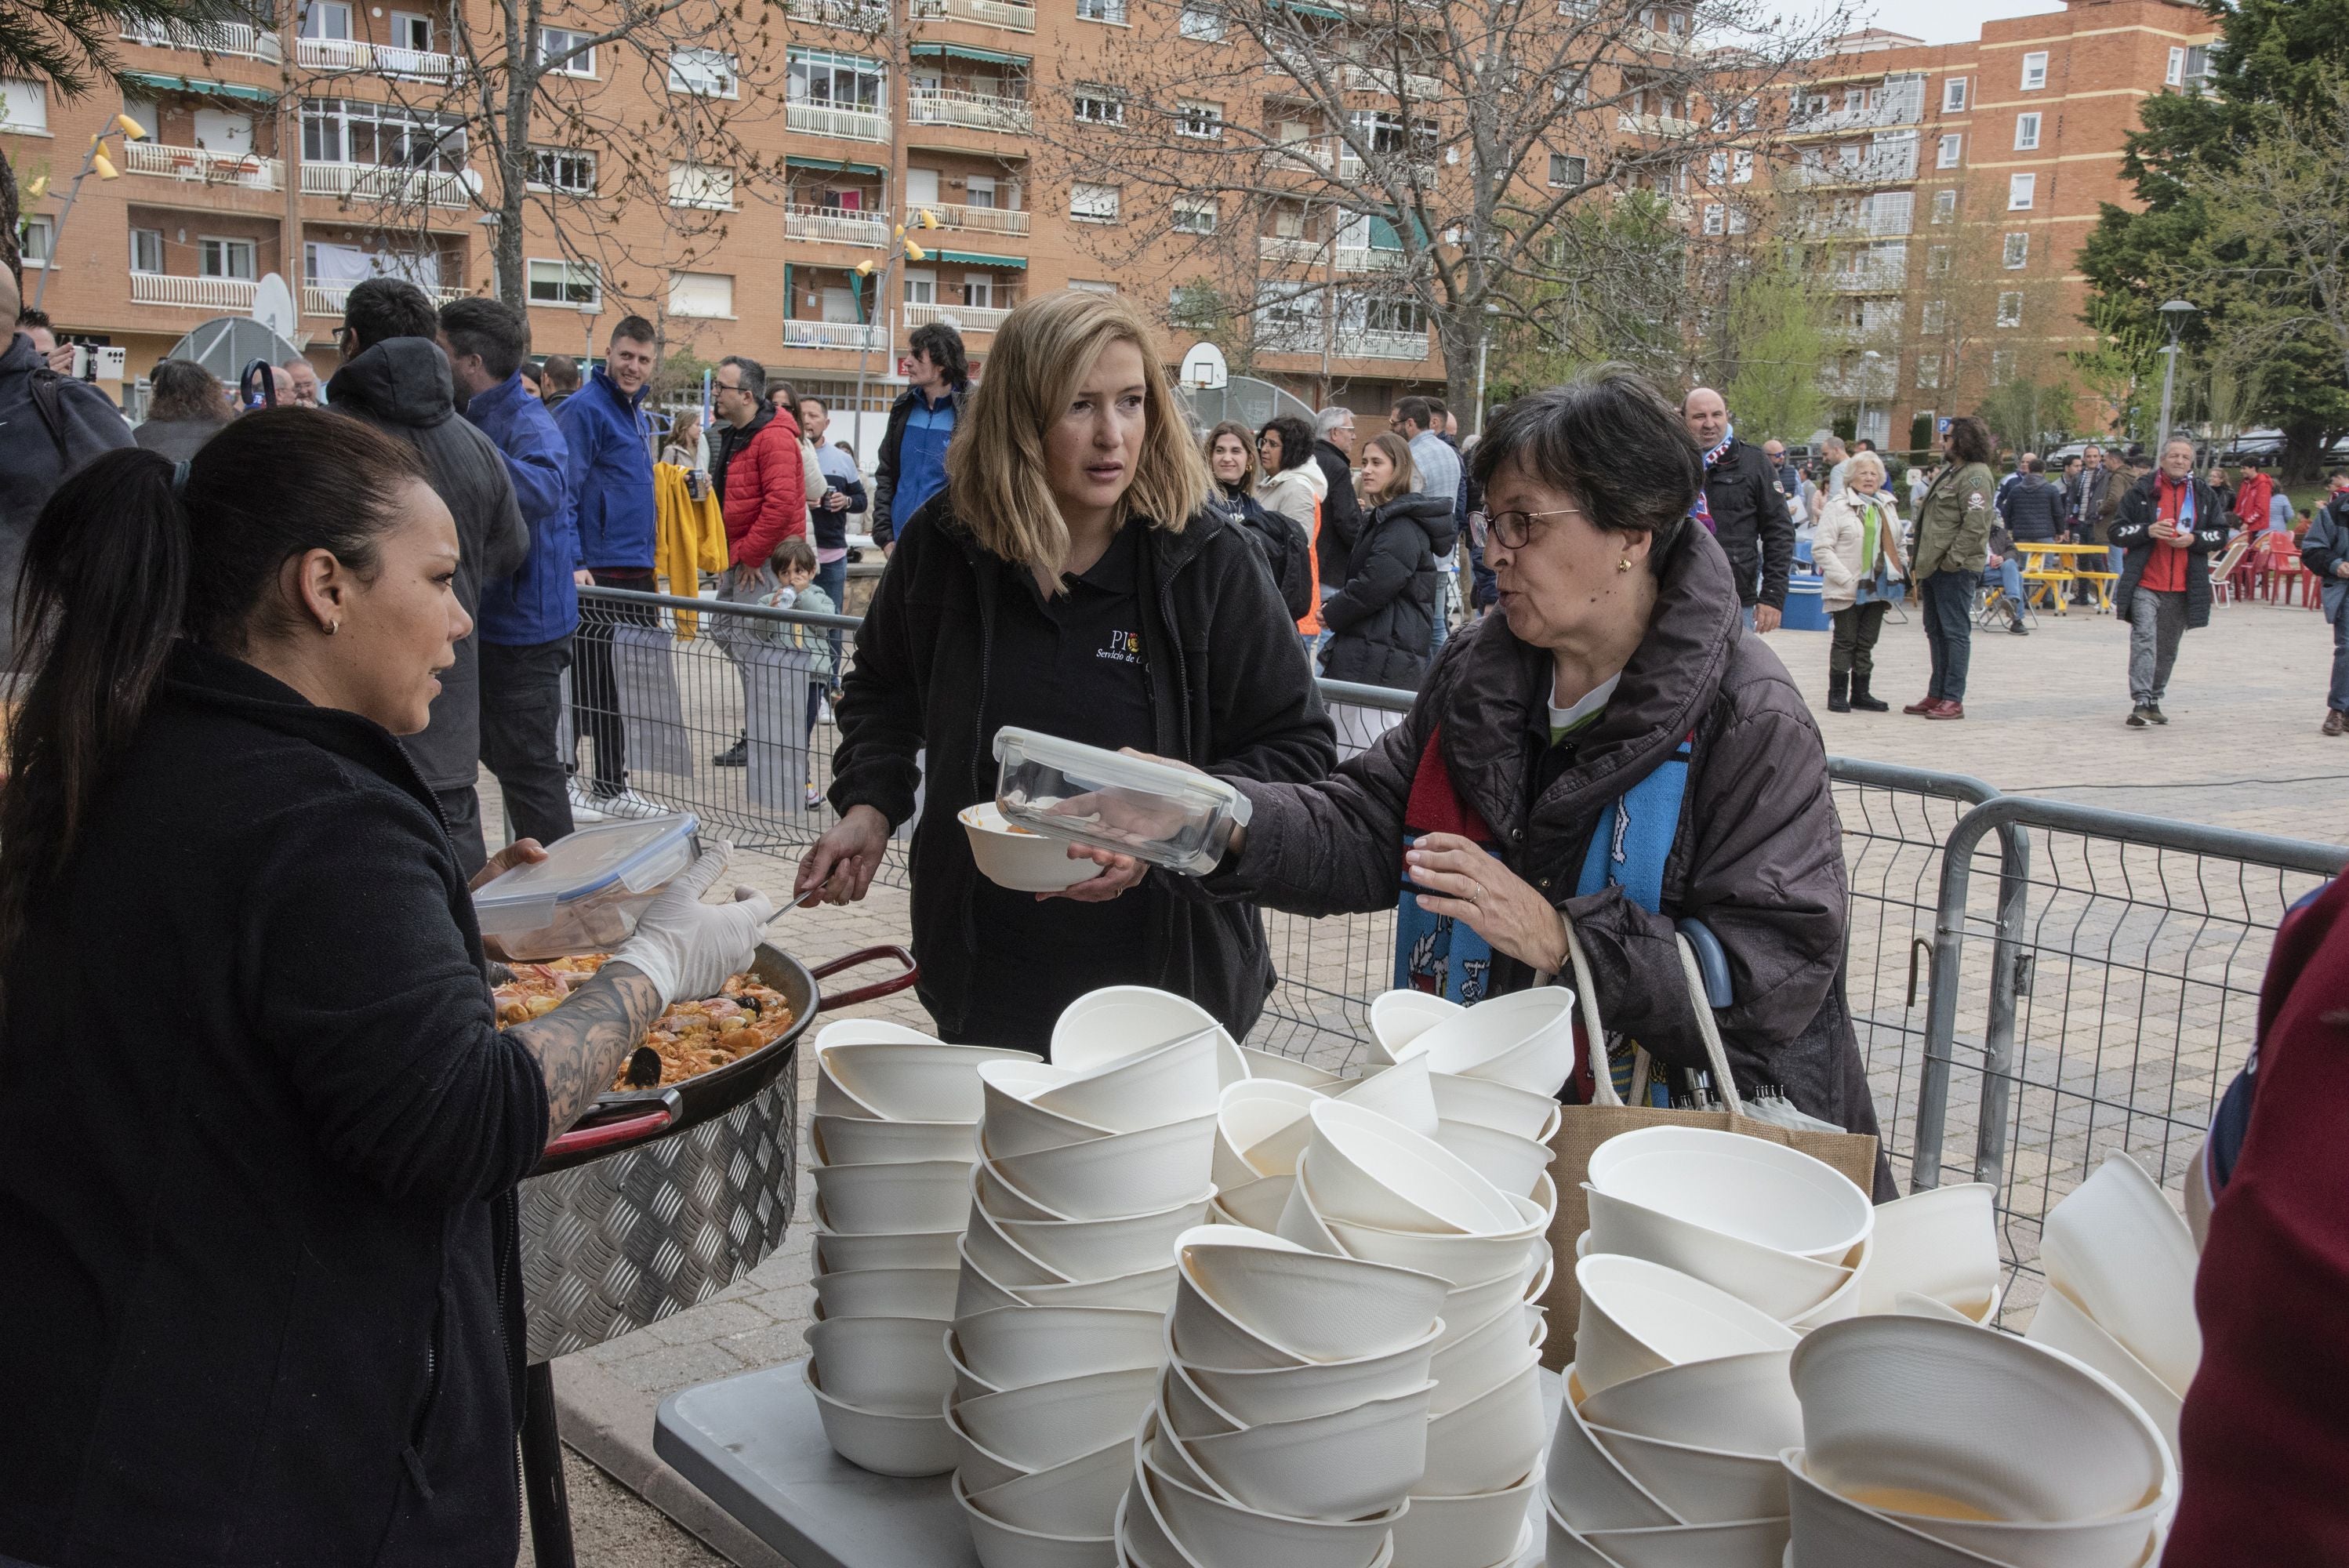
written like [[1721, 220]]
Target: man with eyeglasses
[[755, 467], [1744, 505]]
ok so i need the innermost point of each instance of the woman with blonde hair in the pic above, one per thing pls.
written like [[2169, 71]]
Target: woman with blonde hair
[[1857, 547], [1070, 579]]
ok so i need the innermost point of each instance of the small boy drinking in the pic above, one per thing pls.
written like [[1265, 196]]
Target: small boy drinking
[[793, 563]]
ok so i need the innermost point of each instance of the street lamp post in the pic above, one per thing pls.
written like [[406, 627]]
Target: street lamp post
[[95, 160], [2173, 317], [1860, 420]]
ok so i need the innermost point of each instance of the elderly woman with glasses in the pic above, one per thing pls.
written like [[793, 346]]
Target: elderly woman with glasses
[[1617, 656]]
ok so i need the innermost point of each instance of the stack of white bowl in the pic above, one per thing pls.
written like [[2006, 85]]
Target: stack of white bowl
[[1931, 1444], [2120, 1288], [892, 1139], [1291, 1417], [1090, 1168]]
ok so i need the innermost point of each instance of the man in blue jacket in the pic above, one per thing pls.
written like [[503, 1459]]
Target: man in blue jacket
[[911, 467], [610, 440], [526, 619]]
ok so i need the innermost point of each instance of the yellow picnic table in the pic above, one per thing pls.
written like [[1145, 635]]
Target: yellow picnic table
[[2048, 569]]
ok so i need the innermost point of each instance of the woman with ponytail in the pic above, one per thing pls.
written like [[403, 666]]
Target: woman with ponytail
[[260, 1131]]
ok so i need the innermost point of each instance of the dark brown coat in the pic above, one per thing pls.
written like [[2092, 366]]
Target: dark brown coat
[[1758, 857]]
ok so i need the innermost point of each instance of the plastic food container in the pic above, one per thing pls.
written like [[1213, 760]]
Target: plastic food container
[[1082, 794], [585, 896]]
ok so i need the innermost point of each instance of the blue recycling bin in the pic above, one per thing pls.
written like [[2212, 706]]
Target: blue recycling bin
[[1806, 608]]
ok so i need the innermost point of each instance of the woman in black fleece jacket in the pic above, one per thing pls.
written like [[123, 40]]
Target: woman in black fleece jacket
[[1093, 595]]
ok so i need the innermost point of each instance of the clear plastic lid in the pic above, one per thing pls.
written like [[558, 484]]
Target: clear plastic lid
[[1083, 794], [611, 859]]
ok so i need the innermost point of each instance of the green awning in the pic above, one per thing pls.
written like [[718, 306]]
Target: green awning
[[835, 166], [980, 259], [202, 85], [965, 52]]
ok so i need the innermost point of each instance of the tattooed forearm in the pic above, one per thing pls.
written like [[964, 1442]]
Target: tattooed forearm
[[579, 1047]]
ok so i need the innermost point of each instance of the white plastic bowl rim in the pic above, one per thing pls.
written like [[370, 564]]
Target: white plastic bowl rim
[[1419, 1176]]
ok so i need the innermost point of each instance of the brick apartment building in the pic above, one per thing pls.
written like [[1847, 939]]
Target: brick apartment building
[[312, 169], [1945, 191]]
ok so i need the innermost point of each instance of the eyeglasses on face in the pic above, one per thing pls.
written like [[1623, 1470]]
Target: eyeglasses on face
[[1512, 528]]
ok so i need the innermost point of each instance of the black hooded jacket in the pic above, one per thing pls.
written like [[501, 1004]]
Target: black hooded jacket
[[402, 385], [1287, 551], [1750, 520], [1230, 693], [1382, 620]]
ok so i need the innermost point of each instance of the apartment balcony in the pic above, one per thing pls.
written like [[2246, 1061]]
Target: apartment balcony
[[1288, 248], [201, 166], [965, 317], [1880, 169], [1869, 280], [1317, 252], [1648, 41], [1655, 125], [841, 225], [350, 56], [327, 299], [1865, 226], [1377, 79], [1899, 109], [233, 40], [857, 16], [852, 335], [979, 111], [1370, 343], [986, 12], [386, 183], [230, 296], [981, 220], [1350, 166], [827, 120], [1298, 156]]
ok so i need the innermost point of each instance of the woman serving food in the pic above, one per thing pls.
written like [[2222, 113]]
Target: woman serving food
[[260, 1130]]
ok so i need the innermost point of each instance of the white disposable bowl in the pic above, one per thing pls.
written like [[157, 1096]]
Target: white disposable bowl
[[1499, 1106], [1148, 1289], [1319, 1307], [1207, 1336], [1586, 1485], [1017, 1346], [881, 1442], [1124, 1173], [1782, 1285], [861, 1031], [1119, 1021], [1374, 1171], [1845, 1302], [887, 1292], [1489, 1441], [1747, 1543], [1465, 1308], [1343, 1464], [1263, 1123], [912, 1080], [892, 1366], [1172, 1082], [1005, 1201], [1001, 1543], [1837, 1532], [1401, 1093], [1254, 1396], [1460, 1258], [834, 1253], [1899, 1404], [977, 1290], [867, 1140], [1003, 1260], [1472, 1530], [1272, 1066], [1014, 858], [1568, 1549], [1142, 1538], [867, 1200], [1524, 1039], [967, 1384], [2119, 1249], [1301, 1223], [1942, 1242], [1257, 1205], [1047, 1424], [1747, 1186], [1702, 1485], [1216, 1529], [1916, 1305], [1013, 1124], [1400, 1018], [1076, 1499], [1481, 1355], [2060, 1324], [1187, 1412], [1743, 1404], [1153, 1438], [981, 1468], [1508, 1162], [1100, 1249], [1639, 1317]]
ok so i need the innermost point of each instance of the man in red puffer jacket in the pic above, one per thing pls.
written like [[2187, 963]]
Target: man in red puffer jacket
[[754, 462]]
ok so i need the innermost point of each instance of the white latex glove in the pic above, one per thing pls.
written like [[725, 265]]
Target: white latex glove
[[688, 949]]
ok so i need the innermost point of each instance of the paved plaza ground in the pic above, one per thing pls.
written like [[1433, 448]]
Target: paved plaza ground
[[2045, 716]]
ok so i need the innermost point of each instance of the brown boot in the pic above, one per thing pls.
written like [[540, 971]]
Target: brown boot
[[1924, 705], [2335, 721], [1945, 709]]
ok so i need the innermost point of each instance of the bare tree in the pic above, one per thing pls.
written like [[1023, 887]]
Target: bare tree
[[1414, 163], [2279, 220], [1990, 304]]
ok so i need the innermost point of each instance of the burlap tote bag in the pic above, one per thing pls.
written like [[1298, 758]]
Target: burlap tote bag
[[1583, 1128]]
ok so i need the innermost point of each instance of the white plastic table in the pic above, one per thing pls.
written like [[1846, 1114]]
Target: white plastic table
[[754, 1445]]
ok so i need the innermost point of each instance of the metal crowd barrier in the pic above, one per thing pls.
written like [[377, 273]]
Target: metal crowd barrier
[[2033, 982]]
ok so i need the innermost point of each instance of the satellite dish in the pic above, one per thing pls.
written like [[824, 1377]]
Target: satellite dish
[[227, 344], [273, 306], [1203, 367]]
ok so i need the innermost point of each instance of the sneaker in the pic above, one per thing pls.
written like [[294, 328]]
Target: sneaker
[[2137, 718], [627, 803], [824, 711], [583, 803], [735, 755], [2153, 711], [814, 799], [2018, 629]]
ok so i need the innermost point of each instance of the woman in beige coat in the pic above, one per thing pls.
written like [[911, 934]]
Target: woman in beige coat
[[1856, 546]]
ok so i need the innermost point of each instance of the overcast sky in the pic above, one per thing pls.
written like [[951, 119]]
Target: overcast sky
[[1947, 21]]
